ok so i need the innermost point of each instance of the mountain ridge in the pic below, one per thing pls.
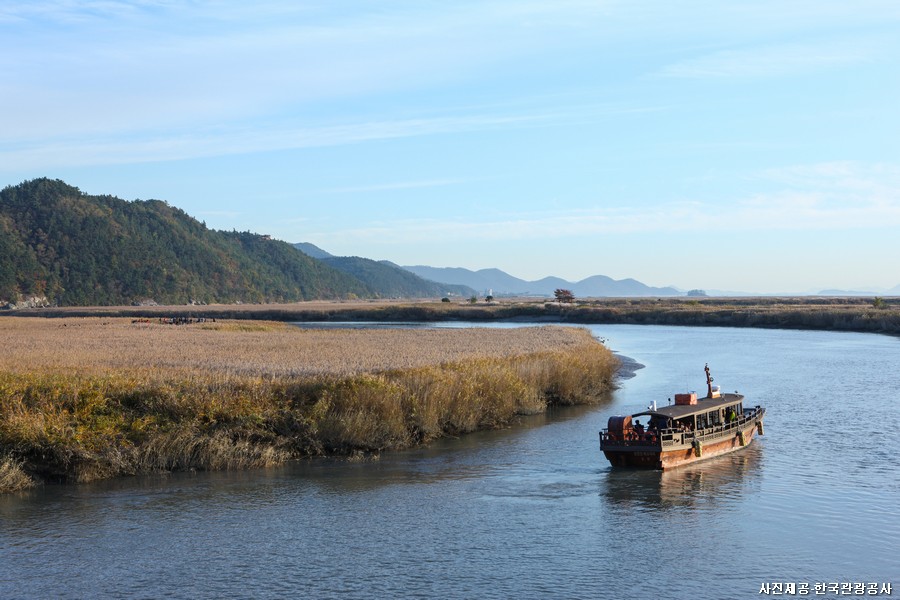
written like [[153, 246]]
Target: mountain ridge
[[77, 249], [501, 283], [384, 278]]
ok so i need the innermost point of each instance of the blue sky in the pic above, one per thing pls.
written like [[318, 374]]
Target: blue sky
[[747, 146]]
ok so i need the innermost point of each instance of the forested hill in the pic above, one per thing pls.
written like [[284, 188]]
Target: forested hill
[[387, 280], [78, 249]]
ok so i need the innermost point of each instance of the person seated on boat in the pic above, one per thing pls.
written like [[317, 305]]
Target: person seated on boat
[[638, 428], [730, 416]]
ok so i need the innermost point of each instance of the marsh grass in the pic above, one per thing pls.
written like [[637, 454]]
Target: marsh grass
[[12, 477], [131, 408]]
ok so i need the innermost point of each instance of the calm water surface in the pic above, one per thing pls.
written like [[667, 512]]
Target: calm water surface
[[529, 512]]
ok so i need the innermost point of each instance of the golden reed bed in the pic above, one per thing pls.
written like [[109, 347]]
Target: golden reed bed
[[97, 345], [88, 398]]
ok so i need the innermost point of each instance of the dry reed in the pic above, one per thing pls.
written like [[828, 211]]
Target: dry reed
[[85, 399], [92, 345], [12, 477]]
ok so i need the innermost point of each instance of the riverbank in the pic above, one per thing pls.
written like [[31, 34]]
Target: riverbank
[[862, 314], [89, 398]]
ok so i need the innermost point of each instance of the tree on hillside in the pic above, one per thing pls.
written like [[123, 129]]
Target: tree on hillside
[[564, 296]]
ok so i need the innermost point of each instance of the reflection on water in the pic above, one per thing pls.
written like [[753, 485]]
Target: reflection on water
[[707, 485], [532, 511]]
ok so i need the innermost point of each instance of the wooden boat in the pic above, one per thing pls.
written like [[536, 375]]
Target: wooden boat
[[690, 430]]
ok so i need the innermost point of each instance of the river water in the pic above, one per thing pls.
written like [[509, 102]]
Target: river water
[[533, 511]]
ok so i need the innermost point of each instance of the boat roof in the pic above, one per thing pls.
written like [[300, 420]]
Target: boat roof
[[678, 411]]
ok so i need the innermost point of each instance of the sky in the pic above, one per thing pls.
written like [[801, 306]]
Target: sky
[[748, 146]]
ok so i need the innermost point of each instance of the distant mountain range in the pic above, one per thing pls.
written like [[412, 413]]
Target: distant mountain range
[[464, 281], [383, 278], [501, 283], [894, 291]]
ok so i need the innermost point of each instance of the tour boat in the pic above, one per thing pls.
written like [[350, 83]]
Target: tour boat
[[689, 430]]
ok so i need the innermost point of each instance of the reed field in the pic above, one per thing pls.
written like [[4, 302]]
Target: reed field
[[88, 398]]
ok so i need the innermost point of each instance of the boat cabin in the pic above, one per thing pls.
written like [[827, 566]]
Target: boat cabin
[[707, 413]]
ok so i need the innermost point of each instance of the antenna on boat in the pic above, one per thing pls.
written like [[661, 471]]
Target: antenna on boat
[[709, 381]]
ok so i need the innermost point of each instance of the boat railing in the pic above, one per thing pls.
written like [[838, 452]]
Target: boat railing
[[749, 417], [680, 437], [631, 439]]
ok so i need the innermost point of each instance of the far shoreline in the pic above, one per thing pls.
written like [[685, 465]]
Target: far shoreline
[[859, 314]]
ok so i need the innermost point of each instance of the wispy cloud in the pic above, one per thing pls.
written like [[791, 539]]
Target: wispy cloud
[[839, 175], [66, 151], [774, 60], [387, 187], [116, 81], [133, 66], [230, 214], [52, 153], [813, 197]]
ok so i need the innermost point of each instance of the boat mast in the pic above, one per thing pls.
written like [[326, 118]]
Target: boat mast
[[709, 381]]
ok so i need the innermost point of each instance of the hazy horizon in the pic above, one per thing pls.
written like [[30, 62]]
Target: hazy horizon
[[742, 147]]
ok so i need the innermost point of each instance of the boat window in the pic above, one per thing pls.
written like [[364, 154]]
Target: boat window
[[732, 412]]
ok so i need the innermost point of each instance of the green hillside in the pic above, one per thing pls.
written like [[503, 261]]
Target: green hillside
[[81, 250], [387, 280]]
